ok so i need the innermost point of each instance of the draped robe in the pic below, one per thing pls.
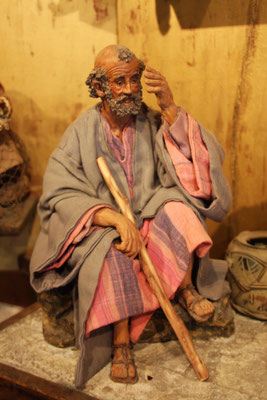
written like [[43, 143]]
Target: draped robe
[[73, 186]]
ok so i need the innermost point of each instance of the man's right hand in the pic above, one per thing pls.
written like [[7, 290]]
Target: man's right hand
[[131, 240]]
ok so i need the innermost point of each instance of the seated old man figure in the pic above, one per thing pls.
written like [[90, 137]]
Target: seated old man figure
[[169, 168]]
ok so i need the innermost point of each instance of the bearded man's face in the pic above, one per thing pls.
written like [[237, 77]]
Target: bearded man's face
[[124, 91]]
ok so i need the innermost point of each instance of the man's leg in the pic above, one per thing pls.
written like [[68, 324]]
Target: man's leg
[[123, 368], [201, 307], [175, 235]]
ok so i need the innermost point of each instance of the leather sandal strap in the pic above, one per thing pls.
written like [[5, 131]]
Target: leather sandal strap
[[126, 360], [189, 288], [126, 357]]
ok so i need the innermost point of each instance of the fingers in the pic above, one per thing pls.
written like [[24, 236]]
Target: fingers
[[154, 78], [156, 89], [130, 249], [157, 84], [133, 246], [153, 82], [130, 239], [131, 254], [151, 72]]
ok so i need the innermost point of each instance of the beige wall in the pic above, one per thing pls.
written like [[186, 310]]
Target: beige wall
[[213, 53], [47, 50]]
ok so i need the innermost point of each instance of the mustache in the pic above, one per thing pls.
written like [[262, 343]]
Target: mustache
[[120, 99]]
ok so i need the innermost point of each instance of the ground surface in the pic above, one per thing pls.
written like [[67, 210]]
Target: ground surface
[[237, 365]]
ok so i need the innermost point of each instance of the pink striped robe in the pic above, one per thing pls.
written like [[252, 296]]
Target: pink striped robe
[[171, 237]]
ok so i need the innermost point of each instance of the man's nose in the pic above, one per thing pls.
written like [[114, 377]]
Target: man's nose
[[127, 88]]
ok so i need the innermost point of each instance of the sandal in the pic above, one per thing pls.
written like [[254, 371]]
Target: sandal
[[126, 360], [190, 305]]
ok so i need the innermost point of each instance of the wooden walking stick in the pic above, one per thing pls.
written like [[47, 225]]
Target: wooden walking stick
[[151, 275]]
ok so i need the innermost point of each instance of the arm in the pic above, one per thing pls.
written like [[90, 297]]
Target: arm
[[182, 138], [190, 159]]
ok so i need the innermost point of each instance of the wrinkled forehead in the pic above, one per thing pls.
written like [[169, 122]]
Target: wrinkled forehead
[[115, 67]]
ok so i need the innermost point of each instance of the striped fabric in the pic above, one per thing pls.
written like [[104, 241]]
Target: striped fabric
[[171, 238], [122, 289], [193, 173]]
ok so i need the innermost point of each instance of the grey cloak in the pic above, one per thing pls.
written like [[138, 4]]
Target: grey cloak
[[73, 184]]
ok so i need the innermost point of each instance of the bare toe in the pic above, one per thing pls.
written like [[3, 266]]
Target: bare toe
[[123, 369], [197, 306]]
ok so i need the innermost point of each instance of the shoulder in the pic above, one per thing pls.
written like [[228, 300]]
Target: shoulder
[[77, 136], [87, 117], [80, 127]]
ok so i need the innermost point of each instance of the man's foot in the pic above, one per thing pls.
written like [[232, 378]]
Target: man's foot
[[123, 369], [196, 305]]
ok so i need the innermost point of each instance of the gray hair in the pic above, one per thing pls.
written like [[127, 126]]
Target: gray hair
[[99, 74]]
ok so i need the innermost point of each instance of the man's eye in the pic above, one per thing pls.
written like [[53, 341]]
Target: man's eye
[[135, 79], [119, 82]]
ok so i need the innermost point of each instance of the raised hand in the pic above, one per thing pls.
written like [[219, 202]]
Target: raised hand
[[157, 84]]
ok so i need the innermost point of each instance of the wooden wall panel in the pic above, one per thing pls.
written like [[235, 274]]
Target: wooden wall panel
[[47, 50], [214, 56]]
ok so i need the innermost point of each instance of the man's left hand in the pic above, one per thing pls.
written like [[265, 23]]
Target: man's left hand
[[157, 84]]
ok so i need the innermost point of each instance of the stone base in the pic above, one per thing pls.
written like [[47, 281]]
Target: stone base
[[58, 326], [58, 322], [237, 366]]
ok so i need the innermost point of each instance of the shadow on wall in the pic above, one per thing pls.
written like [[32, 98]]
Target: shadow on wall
[[238, 221], [92, 12], [192, 14], [39, 132]]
